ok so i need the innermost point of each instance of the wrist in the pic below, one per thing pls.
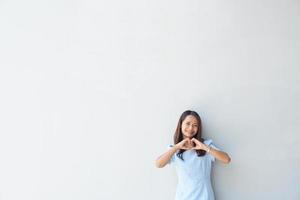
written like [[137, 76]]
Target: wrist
[[208, 149], [176, 147]]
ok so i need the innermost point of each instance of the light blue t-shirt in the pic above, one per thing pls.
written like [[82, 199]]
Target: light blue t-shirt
[[194, 181]]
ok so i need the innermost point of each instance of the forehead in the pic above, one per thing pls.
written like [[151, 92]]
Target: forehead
[[190, 118]]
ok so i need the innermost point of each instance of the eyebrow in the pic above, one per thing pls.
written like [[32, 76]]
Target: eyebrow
[[193, 123]]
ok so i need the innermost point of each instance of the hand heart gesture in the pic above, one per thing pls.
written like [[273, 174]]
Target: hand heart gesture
[[198, 145], [186, 144]]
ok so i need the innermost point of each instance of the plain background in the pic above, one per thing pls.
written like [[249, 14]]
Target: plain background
[[91, 92]]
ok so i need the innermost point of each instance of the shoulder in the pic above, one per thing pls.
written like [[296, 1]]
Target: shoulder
[[208, 141]]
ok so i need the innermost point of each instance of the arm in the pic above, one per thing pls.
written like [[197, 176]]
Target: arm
[[162, 160], [219, 155]]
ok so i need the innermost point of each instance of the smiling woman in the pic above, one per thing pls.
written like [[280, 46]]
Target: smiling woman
[[192, 157]]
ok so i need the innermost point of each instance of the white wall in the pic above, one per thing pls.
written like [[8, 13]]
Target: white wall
[[91, 92]]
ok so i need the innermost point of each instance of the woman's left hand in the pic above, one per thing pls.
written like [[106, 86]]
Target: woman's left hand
[[199, 145], [220, 155]]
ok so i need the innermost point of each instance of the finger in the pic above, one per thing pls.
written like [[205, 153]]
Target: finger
[[183, 141], [187, 141], [195, 141]]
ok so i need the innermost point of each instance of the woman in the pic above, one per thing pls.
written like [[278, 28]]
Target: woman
[[192, 157]]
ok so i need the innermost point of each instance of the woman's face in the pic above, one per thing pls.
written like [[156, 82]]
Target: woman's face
[[189, 126]]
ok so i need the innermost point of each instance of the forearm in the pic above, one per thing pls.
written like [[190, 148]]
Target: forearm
[[219, 155], [162, 160]]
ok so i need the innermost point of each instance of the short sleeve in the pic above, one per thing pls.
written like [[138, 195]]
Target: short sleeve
[[210, 143], [173, 156]]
